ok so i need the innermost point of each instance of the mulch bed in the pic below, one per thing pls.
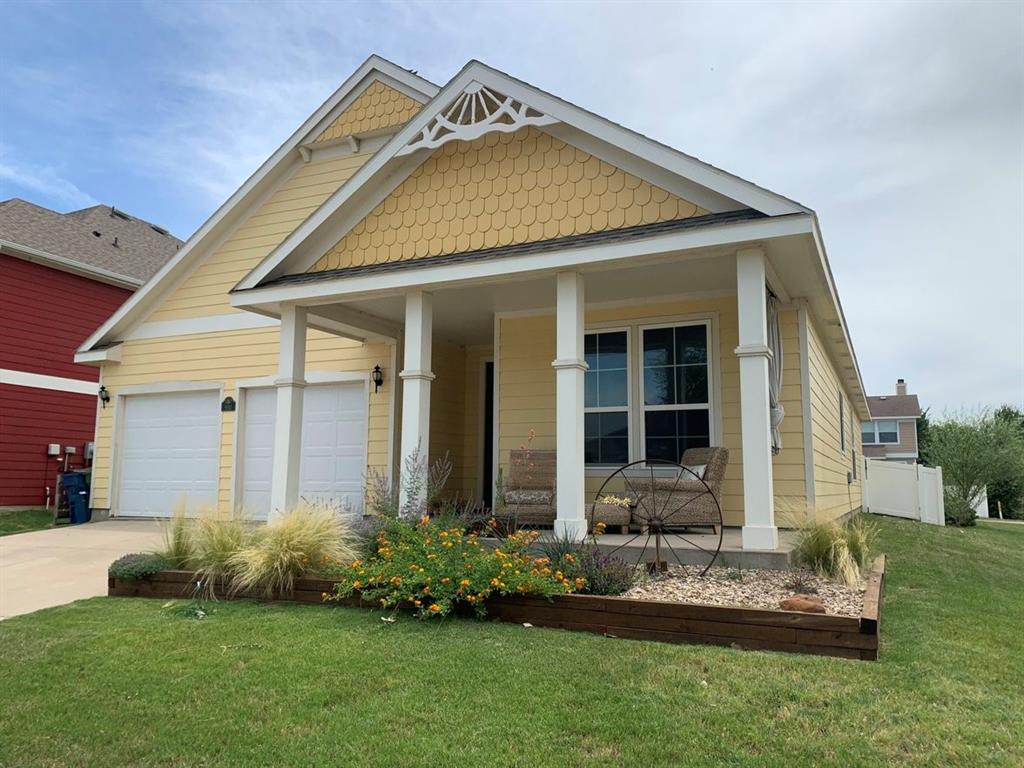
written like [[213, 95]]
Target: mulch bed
[[847, 636], [751, 588]]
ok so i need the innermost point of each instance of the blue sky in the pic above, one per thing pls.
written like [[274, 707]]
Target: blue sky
[[900, 124]]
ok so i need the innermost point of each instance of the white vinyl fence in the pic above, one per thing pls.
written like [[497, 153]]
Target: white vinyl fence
[[904, 490]]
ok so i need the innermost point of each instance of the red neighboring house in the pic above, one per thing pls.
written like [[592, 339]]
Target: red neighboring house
[[61, 276]]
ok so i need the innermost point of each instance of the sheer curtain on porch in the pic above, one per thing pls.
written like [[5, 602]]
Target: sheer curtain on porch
[[775, 409]]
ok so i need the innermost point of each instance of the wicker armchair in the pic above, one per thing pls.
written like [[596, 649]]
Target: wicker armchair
[[686, 501], [530, 488]]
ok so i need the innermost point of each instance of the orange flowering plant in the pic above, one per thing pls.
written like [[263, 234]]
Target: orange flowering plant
[[431, 568]]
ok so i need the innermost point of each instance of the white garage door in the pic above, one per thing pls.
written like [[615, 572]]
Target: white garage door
[[170, 447], [333, 458]]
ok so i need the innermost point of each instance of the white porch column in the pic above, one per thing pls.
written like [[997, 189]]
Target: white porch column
[[759, 531], [290, 383], [569, 365], [416, 377]]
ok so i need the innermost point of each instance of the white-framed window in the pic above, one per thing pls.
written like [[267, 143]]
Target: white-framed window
[[606, 400], [881, 432], [649, 391], [675, 388]]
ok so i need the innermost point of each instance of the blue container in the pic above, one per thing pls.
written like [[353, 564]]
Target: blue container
[[76, 492]]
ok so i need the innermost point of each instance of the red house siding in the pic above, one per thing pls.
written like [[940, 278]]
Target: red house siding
[[31, 419], [45, 314]]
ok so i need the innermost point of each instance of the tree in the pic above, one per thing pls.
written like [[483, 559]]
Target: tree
[[974, 451], [1009, 491], [924, 426]]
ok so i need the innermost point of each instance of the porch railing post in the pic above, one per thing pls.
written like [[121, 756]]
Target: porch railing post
[[290, 384], [570, 366], [416, 377], [759, 531]]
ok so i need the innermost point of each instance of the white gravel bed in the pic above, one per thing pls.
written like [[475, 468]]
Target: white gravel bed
[[745, 588]]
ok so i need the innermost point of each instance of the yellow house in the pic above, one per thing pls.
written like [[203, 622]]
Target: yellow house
[[516, 270]]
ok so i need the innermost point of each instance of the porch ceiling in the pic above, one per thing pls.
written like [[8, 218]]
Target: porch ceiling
[[465, 314]]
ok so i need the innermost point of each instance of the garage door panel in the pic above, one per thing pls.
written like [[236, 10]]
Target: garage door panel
[[170, 453], [333, 456]]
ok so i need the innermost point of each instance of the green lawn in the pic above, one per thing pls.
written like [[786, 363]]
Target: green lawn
[[21, 520], [133, 682]]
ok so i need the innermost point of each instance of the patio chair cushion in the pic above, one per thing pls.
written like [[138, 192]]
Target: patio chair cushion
[[530, 496], [697, 469]]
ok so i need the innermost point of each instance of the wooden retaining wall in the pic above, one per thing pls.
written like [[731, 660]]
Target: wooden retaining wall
[[745, 628]]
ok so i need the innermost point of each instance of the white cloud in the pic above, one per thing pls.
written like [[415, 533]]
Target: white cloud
[[20, 178]]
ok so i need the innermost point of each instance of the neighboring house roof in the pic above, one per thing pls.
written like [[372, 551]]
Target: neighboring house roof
[[100, 241], [894, 406]]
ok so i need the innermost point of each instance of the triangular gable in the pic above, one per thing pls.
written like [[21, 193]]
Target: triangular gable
[[229, 216], [503, 104], [502, 189], [377, 108]]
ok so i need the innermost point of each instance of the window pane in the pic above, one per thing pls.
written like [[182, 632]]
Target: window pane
[[612, 388], [658, 346], [691, 344], [664, 448], [606, 438], [590, 399], [590, 350], [691, 384], [669, 433], [867, 432], [659, 386], [693, 424], [888, 432], [611, 350], [660, 423]]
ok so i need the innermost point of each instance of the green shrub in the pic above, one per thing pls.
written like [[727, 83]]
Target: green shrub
[[603, 574], [139, 565], [432, 569], [303, 539], [215, 539], [837, 551], [958, 511]]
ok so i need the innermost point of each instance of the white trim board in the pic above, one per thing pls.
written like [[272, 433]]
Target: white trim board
[[44, 381], [231, 212]]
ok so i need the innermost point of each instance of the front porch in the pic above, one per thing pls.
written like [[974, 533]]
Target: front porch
[[592, 363]]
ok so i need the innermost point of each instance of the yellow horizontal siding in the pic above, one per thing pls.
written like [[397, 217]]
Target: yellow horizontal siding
[[527, 391], [834, 497], [224, 359], [205, 290]]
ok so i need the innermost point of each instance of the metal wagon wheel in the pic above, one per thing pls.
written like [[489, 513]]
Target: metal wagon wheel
[[667, 500]]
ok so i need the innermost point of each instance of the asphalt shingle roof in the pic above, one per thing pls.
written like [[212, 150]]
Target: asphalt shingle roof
[[559, 243], [88, 237], [893, 406]]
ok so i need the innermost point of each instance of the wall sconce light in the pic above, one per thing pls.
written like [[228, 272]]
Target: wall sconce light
[[378, 378], [104, 396]]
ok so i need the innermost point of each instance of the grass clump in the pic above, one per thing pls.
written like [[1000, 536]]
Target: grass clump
[[307, 537], [178, 540], [835, 550]]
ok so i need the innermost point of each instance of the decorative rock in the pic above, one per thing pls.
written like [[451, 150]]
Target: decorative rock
[[804, 603]]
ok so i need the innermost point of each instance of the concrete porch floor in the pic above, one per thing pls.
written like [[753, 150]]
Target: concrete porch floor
[[685, 546]]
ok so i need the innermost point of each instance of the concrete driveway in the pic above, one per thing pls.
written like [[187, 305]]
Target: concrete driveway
[[56, 566]]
